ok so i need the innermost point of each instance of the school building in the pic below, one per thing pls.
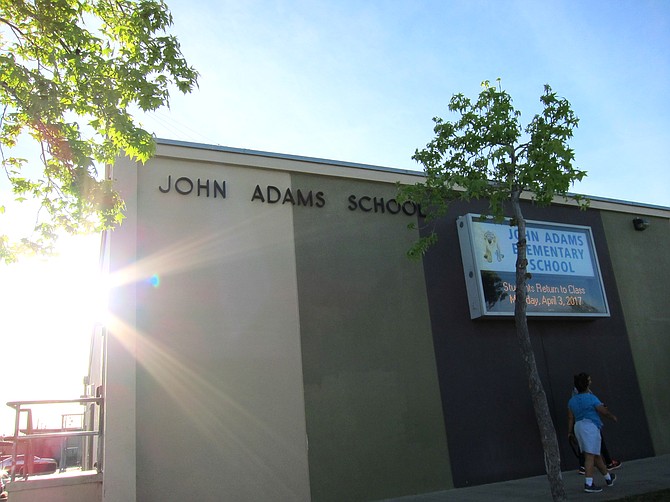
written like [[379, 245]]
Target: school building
[[271, 341]]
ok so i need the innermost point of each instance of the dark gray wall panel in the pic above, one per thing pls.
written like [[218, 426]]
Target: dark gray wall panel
[[490, 423], [374, 418]]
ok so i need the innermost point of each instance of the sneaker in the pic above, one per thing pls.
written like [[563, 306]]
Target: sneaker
[[592, 489], [614, 464], [610, 482], [582, 470]]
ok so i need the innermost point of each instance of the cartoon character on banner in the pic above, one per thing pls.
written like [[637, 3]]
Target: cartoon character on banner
[[492, 247]]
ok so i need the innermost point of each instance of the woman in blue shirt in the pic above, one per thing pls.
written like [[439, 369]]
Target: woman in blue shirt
[[584, 410]]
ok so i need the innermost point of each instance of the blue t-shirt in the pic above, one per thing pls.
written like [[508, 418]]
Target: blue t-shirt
[[584, 406]]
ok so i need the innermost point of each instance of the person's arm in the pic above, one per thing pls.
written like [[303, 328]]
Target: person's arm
[[602, 409], [571, 423]]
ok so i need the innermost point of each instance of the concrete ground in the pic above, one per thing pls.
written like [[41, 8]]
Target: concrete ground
[[634, 477]]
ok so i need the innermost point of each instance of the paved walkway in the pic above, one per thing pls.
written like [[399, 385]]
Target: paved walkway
[[633, 478]]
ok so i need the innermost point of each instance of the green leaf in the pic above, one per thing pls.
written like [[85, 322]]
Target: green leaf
[[480, 155], [75, 104]]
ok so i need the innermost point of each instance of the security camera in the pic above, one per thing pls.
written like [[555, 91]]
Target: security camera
[[640, 224]]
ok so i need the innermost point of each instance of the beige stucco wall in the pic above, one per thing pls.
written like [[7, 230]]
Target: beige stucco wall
[[218, 400], [119, 461], [642, 263], [79, 487]]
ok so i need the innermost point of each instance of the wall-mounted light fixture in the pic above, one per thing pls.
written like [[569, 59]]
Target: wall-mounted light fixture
[[640, 224]]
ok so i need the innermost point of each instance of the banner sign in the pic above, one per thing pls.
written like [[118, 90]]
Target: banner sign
[[565, 276]]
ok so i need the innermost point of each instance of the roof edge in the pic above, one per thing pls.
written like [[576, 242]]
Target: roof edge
[[286, 156], [604, 201]]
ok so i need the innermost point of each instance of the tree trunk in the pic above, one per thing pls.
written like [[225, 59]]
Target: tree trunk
[[552, 458]]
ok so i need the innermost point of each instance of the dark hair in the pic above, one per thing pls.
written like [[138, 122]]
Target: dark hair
[[582, 382]]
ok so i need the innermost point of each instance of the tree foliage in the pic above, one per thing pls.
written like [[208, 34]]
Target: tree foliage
[[486, 154], [71, 74]]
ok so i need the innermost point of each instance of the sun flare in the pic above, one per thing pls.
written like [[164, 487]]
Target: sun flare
[[49, 307]]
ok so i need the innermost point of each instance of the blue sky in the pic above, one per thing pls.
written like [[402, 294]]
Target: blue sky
[[360, 81]]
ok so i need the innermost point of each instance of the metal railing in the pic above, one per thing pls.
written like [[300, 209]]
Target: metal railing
[[30, 436]]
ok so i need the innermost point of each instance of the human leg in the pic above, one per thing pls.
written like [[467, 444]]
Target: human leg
[[603, 450], [588, 436], [610, 462], [599, 464], [589, 462]]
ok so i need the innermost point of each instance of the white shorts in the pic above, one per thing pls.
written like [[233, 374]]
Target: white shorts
[[588, 436]]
